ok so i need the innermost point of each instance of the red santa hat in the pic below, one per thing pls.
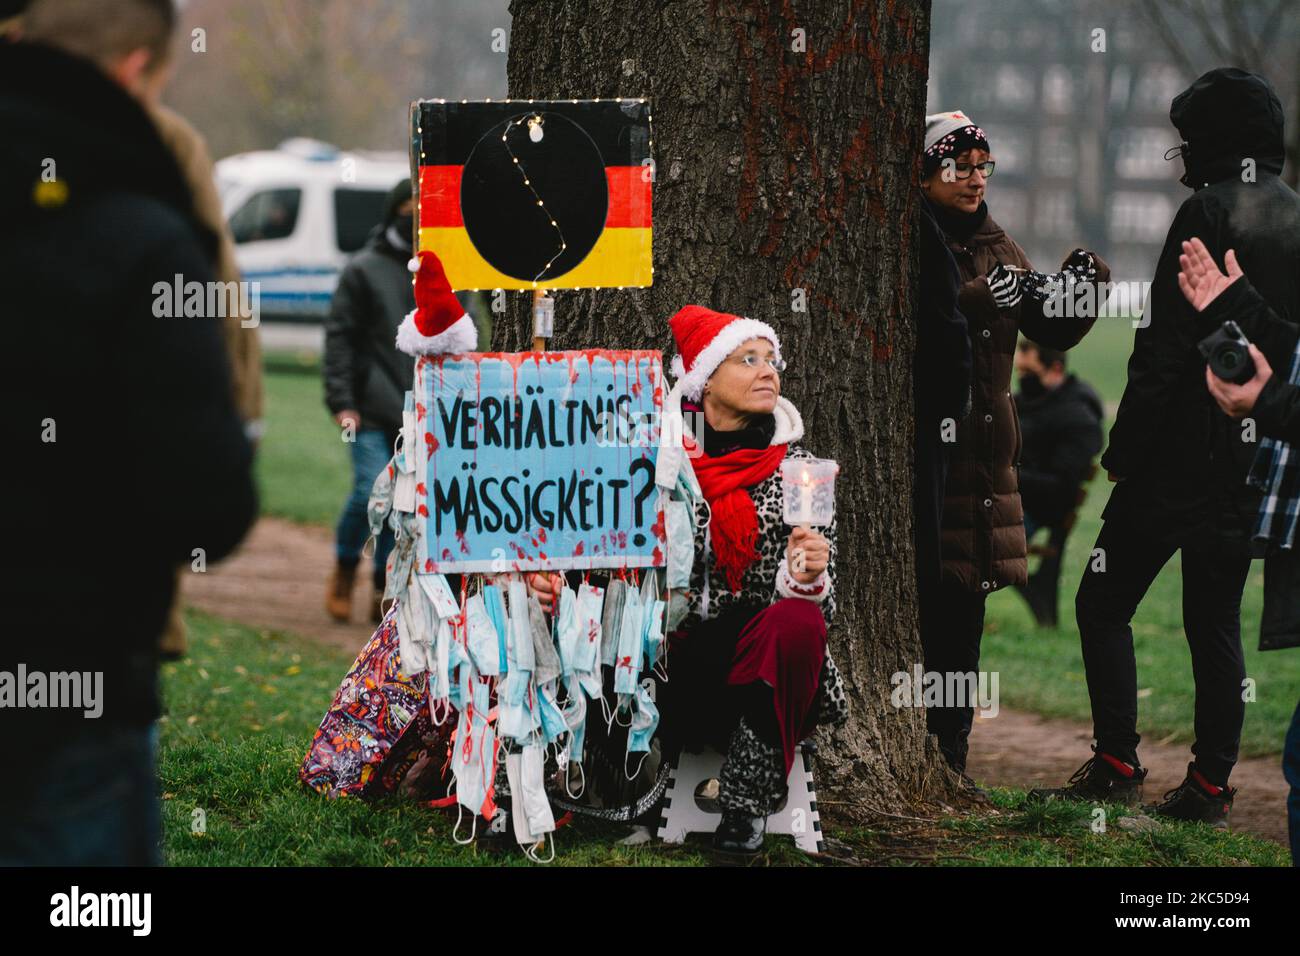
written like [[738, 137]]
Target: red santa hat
[[438, 323], [705, 338]]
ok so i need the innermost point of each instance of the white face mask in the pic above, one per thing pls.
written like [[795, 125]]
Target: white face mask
[[482, 637], [628, 663], [587, 614]]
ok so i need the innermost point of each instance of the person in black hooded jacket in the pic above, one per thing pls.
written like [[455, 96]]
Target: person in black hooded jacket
[[366, 379], [1273, 402], [1180, 464], [126, 456]]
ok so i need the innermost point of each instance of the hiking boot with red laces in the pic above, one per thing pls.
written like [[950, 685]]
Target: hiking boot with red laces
[[1103, 779], [1197, 800]]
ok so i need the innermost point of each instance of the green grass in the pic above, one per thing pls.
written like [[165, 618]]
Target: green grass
[[303, 468], [242, 708], [1042, 670]]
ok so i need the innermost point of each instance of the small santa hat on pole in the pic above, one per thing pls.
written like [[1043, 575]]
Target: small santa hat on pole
[[438, 324], [705, 338]]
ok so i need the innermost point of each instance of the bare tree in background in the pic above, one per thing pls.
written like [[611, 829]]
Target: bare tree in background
[[784, 173], [1256, 35], [337, 70]]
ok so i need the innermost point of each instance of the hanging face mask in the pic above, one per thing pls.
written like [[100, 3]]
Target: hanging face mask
[[519, 640], [439, 593], [481, 637], [546, 662], [575, 718], [645, 720], [592, 683], [587, 612], [530, 810], [566, 629], [413, 638], [537, 808], [380, 504], [611, 620], [552, 720], [679, 527], [401, 560], [440, 672], [652, 637], [628, 664], [496, 609], [407, 454], [473, 756], [516, 720]]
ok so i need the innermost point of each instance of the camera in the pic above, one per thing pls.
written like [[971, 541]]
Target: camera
[[1226, 351]]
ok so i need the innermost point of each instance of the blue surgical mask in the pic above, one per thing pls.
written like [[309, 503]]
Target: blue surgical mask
[[575, 718], [566, 629], [496, 609], [552, 720], [645, 720]]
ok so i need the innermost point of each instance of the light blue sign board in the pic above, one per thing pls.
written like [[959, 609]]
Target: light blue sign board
[[539, 460]]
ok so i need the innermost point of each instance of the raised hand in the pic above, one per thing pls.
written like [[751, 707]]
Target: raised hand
[[1200, 278]]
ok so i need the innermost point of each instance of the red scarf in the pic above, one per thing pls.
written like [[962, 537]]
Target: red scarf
[[733, 525]]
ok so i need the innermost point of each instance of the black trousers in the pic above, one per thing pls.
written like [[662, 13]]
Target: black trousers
[[951, 628], [1215, 563]]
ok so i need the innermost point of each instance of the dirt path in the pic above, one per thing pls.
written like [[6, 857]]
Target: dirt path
[[277, 581]]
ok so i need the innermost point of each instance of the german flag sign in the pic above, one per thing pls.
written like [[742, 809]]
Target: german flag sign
[[541, 194]]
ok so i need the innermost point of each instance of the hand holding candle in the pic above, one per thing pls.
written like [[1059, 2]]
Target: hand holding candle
[[807, 554]]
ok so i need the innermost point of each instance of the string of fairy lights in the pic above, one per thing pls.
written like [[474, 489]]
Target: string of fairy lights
[[534, 121]]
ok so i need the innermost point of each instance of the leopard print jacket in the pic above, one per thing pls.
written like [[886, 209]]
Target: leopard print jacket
[[710, 596]]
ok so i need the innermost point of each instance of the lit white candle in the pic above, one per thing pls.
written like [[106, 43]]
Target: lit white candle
[[805, 497]]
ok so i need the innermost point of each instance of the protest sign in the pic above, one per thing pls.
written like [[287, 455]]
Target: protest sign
[[536, 460]]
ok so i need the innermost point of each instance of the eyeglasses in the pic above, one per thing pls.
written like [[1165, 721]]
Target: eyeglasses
[[964, 170], [753, 361]]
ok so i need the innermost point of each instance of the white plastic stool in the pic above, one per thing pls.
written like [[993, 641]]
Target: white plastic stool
[[682, 815]]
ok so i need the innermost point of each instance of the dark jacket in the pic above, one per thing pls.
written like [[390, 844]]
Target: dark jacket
[[1184, 457], [124, 451], [1277, 415], [363, 368], [1277, 410], [1061, 431], [983, 525], [941, 391]]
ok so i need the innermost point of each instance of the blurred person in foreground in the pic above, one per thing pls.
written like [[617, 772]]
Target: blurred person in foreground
[[1180, 465], [1273, 401], [132, 456]]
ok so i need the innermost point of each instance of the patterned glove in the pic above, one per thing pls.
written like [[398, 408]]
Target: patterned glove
[[1082, 263], [1005, 286], [1040, 287]]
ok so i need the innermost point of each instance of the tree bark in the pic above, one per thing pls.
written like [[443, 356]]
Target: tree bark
[[784, 176]]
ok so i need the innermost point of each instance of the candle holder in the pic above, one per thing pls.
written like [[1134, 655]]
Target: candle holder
[[808, 491]]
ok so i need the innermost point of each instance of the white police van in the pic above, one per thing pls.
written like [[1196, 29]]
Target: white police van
[[297, 213]]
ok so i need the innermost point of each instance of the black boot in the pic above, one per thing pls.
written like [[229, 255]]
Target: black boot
[[752, 781], [1194, 800], [1103, 779]]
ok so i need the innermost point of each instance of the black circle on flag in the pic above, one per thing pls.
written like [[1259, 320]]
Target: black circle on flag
[[564, 169]]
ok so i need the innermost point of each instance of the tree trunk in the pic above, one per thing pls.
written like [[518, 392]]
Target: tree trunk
[[785, 174]]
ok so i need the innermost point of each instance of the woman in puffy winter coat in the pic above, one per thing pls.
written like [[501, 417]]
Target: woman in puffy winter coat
[[983, 535]]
